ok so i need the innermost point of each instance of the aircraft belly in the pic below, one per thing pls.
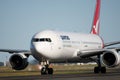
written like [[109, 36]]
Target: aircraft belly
[[71, 60]]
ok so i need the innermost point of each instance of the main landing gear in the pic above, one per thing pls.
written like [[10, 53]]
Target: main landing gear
[[46, 70], [99, 68]]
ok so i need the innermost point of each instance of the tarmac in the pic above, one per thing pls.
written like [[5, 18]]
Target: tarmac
[[81, 76]]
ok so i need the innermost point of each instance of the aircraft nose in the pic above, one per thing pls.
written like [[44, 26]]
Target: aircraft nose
[[35, 47]]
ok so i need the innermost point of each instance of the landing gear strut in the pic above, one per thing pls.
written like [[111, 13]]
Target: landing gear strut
[[99, 68], [46, 70]]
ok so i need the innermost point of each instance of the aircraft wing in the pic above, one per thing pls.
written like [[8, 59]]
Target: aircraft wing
[[111, 43], [90, 53], [15, 51], [94, 52]]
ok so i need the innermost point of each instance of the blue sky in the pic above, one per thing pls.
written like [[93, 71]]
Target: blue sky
[[21, 19]]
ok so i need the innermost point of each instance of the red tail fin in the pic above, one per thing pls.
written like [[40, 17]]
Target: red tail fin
[[96, 21]]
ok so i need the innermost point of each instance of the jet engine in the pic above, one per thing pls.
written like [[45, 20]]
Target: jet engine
[[111, 58], [19, 61]]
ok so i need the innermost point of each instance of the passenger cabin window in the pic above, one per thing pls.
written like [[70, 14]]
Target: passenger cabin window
[[41, 40]]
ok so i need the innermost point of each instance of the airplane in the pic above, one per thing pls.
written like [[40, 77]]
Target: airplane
[[51, 46]]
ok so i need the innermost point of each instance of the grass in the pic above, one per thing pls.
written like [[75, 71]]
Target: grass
[[58, 69]]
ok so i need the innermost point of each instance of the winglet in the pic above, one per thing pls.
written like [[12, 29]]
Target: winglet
[[96, 20]]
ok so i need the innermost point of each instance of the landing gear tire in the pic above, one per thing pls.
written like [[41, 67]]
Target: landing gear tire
[[99, 68], [96, 70], [102, 70], [50, 70], [43, 71]]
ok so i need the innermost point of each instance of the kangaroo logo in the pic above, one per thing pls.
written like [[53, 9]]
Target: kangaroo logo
[[95, 29]]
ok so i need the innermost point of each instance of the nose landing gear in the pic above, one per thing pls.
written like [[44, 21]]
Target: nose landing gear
[[46, 69]]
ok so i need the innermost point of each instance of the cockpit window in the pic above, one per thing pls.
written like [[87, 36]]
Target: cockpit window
[[42, 40]]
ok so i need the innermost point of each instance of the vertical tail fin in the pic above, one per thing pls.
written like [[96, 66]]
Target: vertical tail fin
[[96, 20]]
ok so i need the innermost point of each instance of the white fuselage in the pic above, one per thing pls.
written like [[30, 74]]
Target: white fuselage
[[62, 45]]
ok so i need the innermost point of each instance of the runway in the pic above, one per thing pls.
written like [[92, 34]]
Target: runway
[[81, 76]]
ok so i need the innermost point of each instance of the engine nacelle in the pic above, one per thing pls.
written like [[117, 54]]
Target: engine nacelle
[[18, 61], [111, 58]]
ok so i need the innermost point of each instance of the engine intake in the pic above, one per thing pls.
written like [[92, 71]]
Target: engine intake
[[111, 58], [18, 61]]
